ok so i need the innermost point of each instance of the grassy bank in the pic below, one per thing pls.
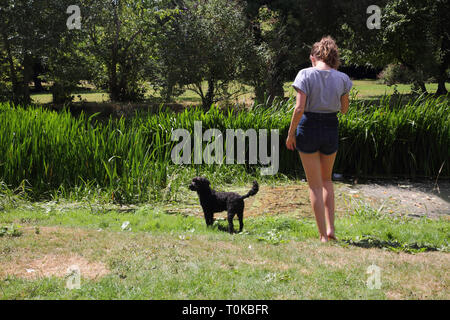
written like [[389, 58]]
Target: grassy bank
[[167, 255]]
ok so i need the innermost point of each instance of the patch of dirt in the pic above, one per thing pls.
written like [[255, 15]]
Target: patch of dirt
[[270, 200], [63, 206], [50, 265], [28, 265], [291, 199], [415, 199]]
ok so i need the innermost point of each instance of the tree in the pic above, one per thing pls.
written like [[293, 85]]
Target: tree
[[29, 30], [205, 43], [66, 65], [440, 35], [266, 59], [121, 35], [413, 33], [284, 31]]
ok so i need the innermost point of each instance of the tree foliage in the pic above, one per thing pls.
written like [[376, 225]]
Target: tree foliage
[[121, 36], [204, 46], [30, 30], [206, 42], [413, 33], [284, 31]]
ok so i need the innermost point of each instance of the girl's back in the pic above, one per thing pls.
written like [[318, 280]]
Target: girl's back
[[324, 89]]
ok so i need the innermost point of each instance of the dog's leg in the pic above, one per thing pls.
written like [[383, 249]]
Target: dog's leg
[[230, 222], [241, 220], [209, 219]]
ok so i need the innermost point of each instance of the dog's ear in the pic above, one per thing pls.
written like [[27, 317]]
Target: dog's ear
[[205, 181]]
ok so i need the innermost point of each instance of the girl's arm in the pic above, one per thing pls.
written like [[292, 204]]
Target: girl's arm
[[345, 101], [296, 116]]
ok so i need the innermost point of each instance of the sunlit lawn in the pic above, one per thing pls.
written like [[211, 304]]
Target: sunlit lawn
[[366, 89], [89, 97], [170, 254]]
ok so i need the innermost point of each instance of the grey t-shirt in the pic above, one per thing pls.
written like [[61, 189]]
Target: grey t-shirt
[[324, 89]]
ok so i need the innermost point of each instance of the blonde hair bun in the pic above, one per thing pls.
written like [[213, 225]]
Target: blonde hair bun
[[327, 51]]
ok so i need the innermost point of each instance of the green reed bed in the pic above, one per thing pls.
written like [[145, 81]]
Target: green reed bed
[[49, 152], [393, 138]]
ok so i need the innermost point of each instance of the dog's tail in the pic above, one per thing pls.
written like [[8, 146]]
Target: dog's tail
[[253, 191]]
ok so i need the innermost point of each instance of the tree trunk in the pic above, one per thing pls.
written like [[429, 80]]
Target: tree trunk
[[27, 75], [442, 90], [275, 82], [259, 93], [419, 87], [168, 92], [113, 88], [208, 100], [37, 83], [417, 84], [266, 91], [37, 70], [12, 71], [422, 87], [275, 89], [122, 88]]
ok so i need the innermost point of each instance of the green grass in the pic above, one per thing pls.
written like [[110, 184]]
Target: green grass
[[367, 89], [43, 98], [373, 89], [362, 220], [174, 256], [187, 97], [88, 167], [200, 271]]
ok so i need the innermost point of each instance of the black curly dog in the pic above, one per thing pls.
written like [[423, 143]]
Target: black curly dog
[[213, 201]]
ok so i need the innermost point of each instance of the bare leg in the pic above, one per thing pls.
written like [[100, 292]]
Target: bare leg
[[312, 165], [327, 162]]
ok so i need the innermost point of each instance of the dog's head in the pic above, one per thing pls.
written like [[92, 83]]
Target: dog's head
[[199, 183]]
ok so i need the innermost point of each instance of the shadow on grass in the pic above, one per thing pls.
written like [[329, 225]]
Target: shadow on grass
[[392, 245]]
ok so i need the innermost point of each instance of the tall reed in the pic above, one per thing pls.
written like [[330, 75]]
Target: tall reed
[[131, 157]]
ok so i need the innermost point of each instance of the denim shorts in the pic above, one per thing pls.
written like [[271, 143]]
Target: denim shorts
[[318, 132]]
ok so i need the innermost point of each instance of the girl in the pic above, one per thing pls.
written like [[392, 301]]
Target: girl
[[322, 92]]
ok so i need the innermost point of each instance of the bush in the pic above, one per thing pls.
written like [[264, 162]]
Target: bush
[[133, 92], [61, 92], [395, 74]]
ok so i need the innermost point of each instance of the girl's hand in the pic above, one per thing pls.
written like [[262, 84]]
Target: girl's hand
[[290, 142]]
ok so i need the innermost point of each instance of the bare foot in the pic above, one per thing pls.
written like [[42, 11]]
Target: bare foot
[[331, 236], [323, 239]]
